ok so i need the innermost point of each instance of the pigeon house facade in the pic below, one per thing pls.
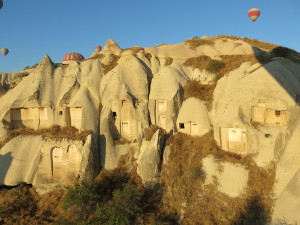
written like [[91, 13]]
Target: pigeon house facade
[[269, 116], [234, 140], [193, 118]]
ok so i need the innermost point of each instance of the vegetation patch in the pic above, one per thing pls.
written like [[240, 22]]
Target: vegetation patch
[[214, 66], [256, 43], [114, 197], [199, 62], [135, 49], [168, 61], [150, 131], [22, 205], [111, 65], [54, 131], [203, 92], [31, 67], [97, 56], [283, 52], [196, 42], [200, 203]]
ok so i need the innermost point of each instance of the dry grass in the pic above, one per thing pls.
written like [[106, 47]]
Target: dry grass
[[183, 178], [22, 205], [122, 142], [196, 42], [203, 92], [135, 49], [199, 62], [220, 68], [150, 131], [54, 131], [111, 65], [97, 56], [256, 43], [234, 61], [230, 62], [168, 61]]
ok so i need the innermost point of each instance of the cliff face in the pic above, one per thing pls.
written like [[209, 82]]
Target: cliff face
[[239, 88]]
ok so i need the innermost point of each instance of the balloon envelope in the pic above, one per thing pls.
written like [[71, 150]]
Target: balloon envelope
[[254, 14], [98, 48], [73, 56], [4, 51], [1, 4]]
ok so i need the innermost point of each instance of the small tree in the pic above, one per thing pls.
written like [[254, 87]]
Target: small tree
[[80, 200], [122, 209]]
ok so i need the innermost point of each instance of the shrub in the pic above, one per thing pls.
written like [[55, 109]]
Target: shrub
[[123, 209], [214, 66], [168, 61], [80, 200], [196, 42], [203, 92], [1, 210], [282, 51]]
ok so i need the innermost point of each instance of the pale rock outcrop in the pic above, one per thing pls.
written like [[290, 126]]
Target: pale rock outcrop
[[155, 65], [59, 164], [149, 159], [231, 178], [240, 95], [19, 159], [46, 92], [222, 46], [287, 187], [165, 100], [112, 47], [193, 117], [47, 163], [124, 95]]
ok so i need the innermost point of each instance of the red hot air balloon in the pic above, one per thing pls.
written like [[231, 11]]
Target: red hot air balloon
[[73, 56], [254, 14], [98, 48]]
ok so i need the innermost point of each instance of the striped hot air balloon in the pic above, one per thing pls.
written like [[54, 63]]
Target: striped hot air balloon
[[254, 14], [98, 48], [1, 4], [73, 56]]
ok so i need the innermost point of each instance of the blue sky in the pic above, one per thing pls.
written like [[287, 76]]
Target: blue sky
[[30, 29]]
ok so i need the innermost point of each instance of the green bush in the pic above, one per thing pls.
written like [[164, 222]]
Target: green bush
[[123, 209], [80, 200], [214, 66], [282, 51]]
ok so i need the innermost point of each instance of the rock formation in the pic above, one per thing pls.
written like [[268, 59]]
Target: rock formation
[[116, 94]]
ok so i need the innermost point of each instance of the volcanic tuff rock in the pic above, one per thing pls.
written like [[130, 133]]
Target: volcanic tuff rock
[[255, 110]]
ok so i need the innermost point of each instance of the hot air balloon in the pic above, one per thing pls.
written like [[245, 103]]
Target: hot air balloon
[[254, 14], [98, 48], [73, 56], [4, 51], [1, 4]]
